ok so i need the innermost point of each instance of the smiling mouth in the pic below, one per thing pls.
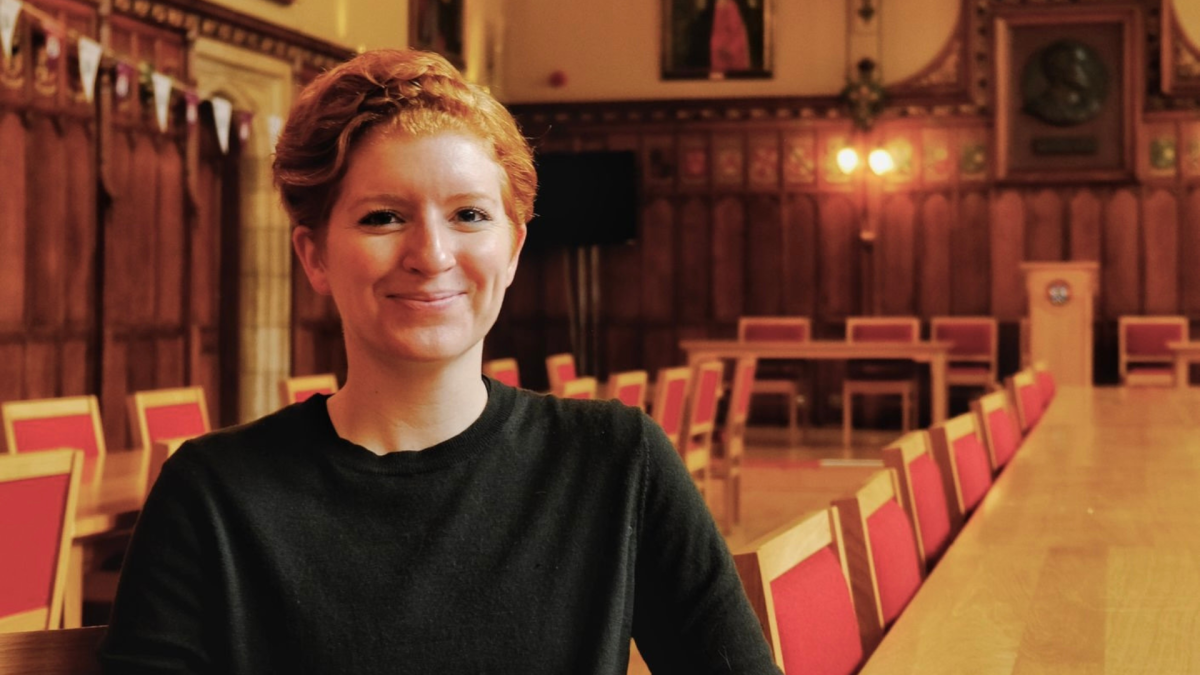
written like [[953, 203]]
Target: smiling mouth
[[426, 300]]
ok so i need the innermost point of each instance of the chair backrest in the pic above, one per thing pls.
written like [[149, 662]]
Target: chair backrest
[[881, 554], [923, 493], [998, 425], [966, 470], [167, 413], [702, 407], [1028, 398], [560, 369], [301, 388], [974, 338], [1045, 382], [38, 495], [57, 423], [734, 442], [503, 370], [883, 329], [629, 388], [1144, 339], [796, 581], [670, 401], [52, 652], [580, 387], [774, 329]]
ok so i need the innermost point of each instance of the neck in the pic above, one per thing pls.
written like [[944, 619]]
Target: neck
[[409, 406]]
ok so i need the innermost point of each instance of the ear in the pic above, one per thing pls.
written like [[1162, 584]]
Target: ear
[[519, 233], [312, 256]]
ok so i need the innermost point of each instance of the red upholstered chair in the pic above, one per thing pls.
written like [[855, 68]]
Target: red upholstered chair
[[730, 447], [1028, 397], [778, 329], [670, 402], [702, 421], [629, 388], [300, 389], [963, 460], [999, 427], [38, 494], [163, 414], [580, 387], [1045, 381], [923, 493], [873, 378], [881, 554], [503, 370], [973, 356], [1144, 358], [52, 652], [57, 423], [560, 369], [796, 581]]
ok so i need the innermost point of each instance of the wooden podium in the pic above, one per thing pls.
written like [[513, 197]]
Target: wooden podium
[[1062, 300]]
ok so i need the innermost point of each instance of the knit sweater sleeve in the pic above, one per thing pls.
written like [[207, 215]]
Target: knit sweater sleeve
[[167, 585], [690, 612]]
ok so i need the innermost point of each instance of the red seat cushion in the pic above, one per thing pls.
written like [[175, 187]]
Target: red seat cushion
[[894, 552], [1004, 435], [930, 500], [565, 371], [174, 421], [818, 631], [509, 377], [1151, 339], [775, 332], [31, 519], [631, 394], [51, 433], [974, 474]]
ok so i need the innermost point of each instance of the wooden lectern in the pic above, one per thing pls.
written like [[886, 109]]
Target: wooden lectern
[[1062, 300]]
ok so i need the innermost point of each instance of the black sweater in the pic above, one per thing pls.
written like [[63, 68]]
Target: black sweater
[[537, 541]]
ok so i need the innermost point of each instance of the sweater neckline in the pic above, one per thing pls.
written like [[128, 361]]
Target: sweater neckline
[[470, 443]]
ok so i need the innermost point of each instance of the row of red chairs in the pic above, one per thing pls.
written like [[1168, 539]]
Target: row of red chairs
[[827, 587]]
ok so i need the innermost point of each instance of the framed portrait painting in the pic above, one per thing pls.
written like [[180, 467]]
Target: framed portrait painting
[[1067, 94], [716, 39], [437, 26]]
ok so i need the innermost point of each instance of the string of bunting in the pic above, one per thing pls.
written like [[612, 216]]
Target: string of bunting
[[91, 53]]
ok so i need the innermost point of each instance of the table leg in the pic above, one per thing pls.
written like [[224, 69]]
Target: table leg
[[73, 593], [939, 393], [1181, 370]]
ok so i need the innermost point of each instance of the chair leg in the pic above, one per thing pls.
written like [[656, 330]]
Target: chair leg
[[793, 425], [847, 416], [906, 411]]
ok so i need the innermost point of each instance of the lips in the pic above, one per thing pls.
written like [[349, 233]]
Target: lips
[[427, 300]]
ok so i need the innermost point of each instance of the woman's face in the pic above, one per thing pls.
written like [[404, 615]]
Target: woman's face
[[418, 251]]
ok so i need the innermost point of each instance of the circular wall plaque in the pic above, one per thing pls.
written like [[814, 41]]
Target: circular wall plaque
[[1058, 292]]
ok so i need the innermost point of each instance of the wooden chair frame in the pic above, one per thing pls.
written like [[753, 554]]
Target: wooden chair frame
[[579, 386], [990, 359], [787, 388], [727, 464], [139, 402], [853, 512], [41, 464], [1020, 379], [1165, 379], [906, 389], [982, 408], [898, 456], [52, 652], [618, 381], [696, 445], [553, 363], [16, 411], [662, 389], [773, 555], [290, 386], [495, 366], [942, 437]]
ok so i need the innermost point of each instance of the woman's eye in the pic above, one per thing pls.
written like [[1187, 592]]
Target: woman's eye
[[380, 218], [472, 215]]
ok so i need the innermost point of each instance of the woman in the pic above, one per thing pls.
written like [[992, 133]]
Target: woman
[[423, 519]]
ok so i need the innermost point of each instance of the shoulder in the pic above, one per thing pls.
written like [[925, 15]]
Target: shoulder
[[270, 439]]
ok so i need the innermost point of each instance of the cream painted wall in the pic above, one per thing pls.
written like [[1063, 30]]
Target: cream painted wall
[[357, 24], [610, 50], [1188, 13]]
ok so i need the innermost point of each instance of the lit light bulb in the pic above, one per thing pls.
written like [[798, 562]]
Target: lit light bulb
[[880, 161], [847, 160]]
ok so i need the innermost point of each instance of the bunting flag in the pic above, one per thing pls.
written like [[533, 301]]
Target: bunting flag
[[89, 65], [9, 9], [222, 116], [245, 119], [191, 107], [123, 86], [274, 128], [162, 98]]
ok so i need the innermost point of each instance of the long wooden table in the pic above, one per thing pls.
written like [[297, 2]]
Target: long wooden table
[[1185, 354], [935, 353], [1083, 558]]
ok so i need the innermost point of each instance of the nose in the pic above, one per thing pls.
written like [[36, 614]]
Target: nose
[[428, 248]]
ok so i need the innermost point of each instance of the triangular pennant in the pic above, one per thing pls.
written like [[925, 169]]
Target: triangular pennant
[[123, 85], [89, 64], [274, 128], [162, 98], [191, 102], [9, 9], [244, 121], [222, 116]]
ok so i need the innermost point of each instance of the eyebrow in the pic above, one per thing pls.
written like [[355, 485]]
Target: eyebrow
[[391, 198]]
